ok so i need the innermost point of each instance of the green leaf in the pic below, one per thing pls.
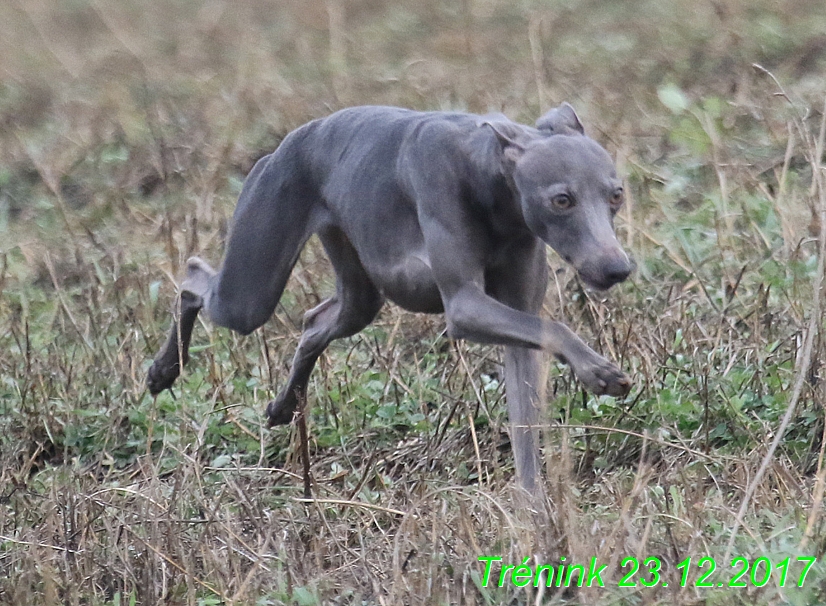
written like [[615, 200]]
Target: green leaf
[[222, 461], [387, 411], [673, 98], [303, 597], [154, 288]]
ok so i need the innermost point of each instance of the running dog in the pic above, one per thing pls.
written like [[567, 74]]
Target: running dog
[[439, 212]]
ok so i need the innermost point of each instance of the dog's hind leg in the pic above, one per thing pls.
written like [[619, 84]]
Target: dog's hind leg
[[354, 306], [272, 221], [175, 352]]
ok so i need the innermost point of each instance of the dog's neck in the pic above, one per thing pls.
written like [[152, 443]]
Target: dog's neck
[[492, 186]]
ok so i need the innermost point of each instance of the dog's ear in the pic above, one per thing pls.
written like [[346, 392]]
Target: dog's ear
[[512, 149], [561, 120]]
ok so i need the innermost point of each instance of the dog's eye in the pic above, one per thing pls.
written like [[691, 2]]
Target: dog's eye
[[562, 201], [617, 197]]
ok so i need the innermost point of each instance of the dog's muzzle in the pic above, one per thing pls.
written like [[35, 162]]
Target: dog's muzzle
[[607, 272]]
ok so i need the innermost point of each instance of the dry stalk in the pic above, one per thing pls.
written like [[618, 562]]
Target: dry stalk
[[172, 562], [344, 502], [817, 496], [47, 259], [538, 57], [3, 268], [645, 437], [820, 482], [67, 61], [804, 361], [338, 54], [722, 178], [304, 443], [780, 199], [627, 212], [481, 402], [472, 427]]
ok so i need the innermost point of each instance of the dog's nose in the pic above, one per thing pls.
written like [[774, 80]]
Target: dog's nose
[[617, 270], [610, 268]]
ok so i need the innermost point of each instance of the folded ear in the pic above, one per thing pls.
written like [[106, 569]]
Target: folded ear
[[561, 120], [506, 135]]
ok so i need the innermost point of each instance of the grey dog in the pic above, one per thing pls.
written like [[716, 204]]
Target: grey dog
[[438, 212]]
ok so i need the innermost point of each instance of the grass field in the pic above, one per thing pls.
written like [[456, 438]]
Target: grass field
[[126, 130]]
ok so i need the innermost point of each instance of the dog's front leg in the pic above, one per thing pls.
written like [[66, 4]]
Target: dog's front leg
[[525, 393], [599, 375], [473, 315]]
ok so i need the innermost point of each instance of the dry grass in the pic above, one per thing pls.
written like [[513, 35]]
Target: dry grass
[[125, 132]]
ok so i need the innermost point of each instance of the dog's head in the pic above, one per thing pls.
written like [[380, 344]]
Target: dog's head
[[569, 192]]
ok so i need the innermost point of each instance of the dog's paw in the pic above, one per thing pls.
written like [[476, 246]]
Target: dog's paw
[[162, 375], [282, 410], [603, 378], [166, 367]]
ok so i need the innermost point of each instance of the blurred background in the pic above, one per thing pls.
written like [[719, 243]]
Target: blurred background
[[114, 100], [126, 130]]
